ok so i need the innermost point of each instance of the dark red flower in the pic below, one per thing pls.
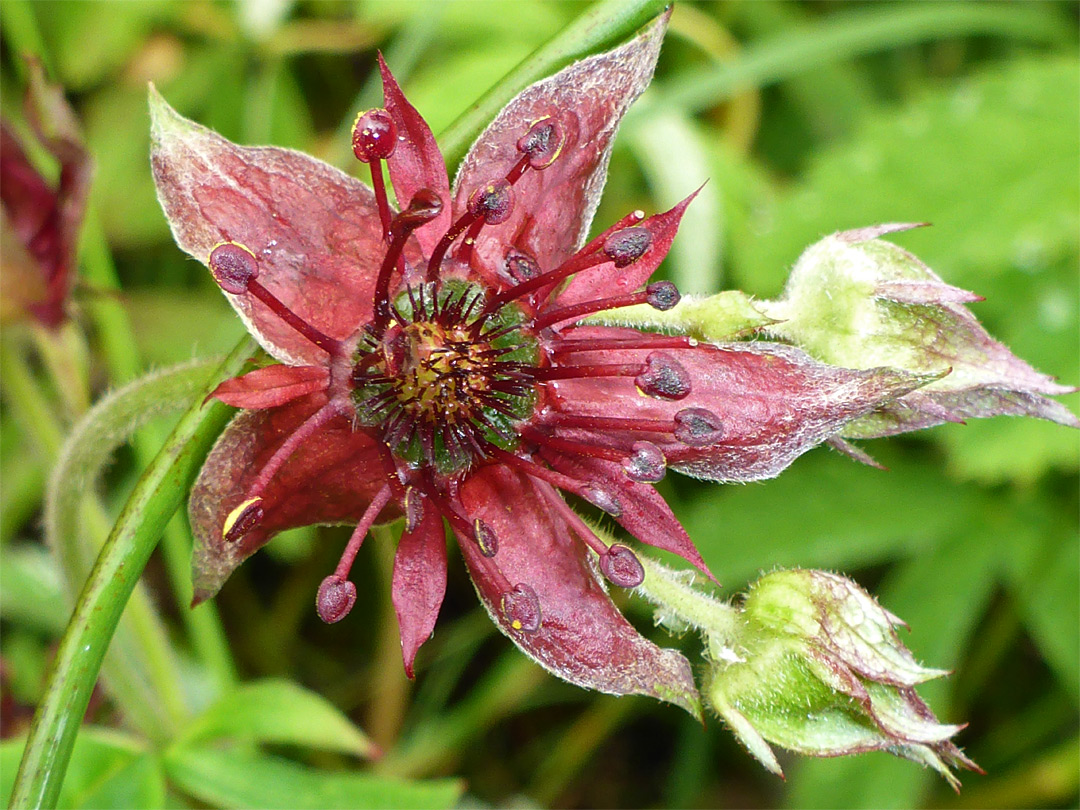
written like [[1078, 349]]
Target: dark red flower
[[434, 366], [39, 222]]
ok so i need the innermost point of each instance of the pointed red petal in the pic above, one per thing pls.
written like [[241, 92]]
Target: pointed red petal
[[645, 514], [314, 230], [419, 583], [582, 637], [775, 402], [417, 162], [272, 386], [330, 479], [555, 207], [607, 280]]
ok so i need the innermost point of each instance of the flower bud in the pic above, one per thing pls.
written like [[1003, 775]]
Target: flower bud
[[816, 667], [856, 301]]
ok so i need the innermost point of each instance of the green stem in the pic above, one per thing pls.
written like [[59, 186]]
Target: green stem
[[108, 588], [602, 25], [114, 331], [673, 593], [143, 658]]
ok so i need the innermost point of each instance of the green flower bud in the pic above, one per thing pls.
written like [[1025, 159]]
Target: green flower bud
[[816, 667], [856, 301]]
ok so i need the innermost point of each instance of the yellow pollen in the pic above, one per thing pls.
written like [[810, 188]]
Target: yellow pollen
[[234, 515]]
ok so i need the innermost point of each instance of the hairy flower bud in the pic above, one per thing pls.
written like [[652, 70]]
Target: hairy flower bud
[[817, 668], [856, 301]]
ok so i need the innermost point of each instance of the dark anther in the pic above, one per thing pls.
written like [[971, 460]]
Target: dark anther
[[414, 509], [335, 599], [242, 519], [622, 567], [520, 266], [663, 377], [494, 202], [423, 207], [542, 143], [662, 295], [521, 607], [602, 499], [627, 246], [646, 464], [233, 267], [698, 427], [374, 135], [486, 538]]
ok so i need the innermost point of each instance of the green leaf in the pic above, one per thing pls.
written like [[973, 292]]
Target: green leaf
[[279, 711], [108, 588], [108, 769], [828, 512], [30, 589], [234, 779]]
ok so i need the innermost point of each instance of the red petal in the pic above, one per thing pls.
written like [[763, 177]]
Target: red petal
[[645, 514], [607, 280], [775, 402], [419, 582], [46, 220], [330, 479], [555, 207], [582, 638], [272, 386], [417, 162], [315, 230]]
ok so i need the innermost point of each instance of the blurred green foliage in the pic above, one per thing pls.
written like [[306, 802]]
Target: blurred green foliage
[[805, 118]]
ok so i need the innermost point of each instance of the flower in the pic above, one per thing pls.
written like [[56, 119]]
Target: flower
[[432, 366], [858, 301], [814, 664], [39, 224]]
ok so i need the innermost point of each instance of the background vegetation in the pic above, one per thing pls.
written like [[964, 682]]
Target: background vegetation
[[806, 118]]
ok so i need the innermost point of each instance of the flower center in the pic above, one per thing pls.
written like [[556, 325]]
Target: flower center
[[437, 389]]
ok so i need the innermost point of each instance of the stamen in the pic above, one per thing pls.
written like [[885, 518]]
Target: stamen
[[424, 207], [242, 519], [414, 509], [622, 567], [574, 264], [627, 246], [543, 143], [485, 538], [618, 563], [335, 599], [575, 372], [374, 139], [490, 205], [568, 447], [664, 377], [646, 465], [698, 427], [606, 423], [250, 513], [520, 266], [521, 608], [589, 491], [367, 520], [236, 270], [643, 341], [661, 295]]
